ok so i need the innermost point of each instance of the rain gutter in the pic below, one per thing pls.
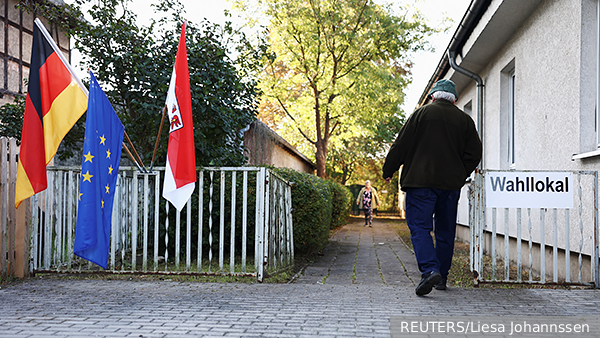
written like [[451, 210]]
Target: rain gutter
[[466, 27]]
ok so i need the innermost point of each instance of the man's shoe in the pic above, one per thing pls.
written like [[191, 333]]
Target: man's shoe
[[442, 284], [427, 283]]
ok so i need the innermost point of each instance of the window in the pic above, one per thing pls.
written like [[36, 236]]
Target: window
[[511, 120], [468, 108], [597, 113], [508, 117], [589, 112]]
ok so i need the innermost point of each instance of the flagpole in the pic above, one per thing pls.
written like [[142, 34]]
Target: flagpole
[[132, 158], [59, 53], [136, 154], [162, 121], [125, 132]]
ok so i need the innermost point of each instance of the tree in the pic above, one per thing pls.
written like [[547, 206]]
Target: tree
[[12, 118], [134, 65], [340, 68], [376, 123]]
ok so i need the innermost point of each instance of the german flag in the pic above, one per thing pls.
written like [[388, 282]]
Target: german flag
[[56, 99]]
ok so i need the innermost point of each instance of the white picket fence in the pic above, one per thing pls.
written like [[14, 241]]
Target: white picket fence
[[238, 222]]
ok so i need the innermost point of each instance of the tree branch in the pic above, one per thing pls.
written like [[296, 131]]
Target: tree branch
[[337, 123], [296, 122]]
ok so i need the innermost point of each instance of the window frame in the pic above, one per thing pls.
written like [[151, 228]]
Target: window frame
[[511, 119]]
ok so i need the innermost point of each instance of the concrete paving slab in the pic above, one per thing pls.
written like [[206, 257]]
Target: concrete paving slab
[[358, 255]]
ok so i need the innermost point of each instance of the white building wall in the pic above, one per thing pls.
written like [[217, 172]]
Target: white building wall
[[554, 54], [546, 52]]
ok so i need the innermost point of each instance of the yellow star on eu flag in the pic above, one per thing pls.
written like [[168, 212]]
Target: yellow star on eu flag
[[87, 177], [110, 169], [102, 139], [108, 154], [107, 189], [88, 157]]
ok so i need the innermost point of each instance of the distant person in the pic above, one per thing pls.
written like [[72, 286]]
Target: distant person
[[439, 148], [366, 199]]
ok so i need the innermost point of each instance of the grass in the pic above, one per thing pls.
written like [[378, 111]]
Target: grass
[[175, 275], [460, 274], [356, 259], [142, 277], [6, 281], [126, 265]]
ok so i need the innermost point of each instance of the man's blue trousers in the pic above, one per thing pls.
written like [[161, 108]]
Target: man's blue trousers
[[422, 205]]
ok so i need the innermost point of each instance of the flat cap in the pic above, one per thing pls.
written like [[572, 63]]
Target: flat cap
[[444, 86]]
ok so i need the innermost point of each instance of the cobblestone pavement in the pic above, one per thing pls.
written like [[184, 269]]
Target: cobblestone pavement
[[352, 291]]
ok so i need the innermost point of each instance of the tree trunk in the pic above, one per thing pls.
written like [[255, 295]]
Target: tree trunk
[[321, 156], [345, 175]]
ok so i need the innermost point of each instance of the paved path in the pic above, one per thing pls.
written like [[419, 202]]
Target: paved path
[[364, 255], [306, 308]]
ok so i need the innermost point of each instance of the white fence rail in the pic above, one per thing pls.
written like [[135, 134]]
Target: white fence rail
[[238, 222], [536, 245]]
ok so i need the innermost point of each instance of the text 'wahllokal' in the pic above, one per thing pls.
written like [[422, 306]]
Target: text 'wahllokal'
[[529, 184]]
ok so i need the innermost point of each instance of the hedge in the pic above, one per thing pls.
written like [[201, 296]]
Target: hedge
[[341, 198], [319, 206]]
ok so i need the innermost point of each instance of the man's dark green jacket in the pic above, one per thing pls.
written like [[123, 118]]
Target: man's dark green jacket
[[439, 147]]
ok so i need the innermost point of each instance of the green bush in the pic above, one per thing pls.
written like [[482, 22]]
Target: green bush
[[312, 204], [341, 200]]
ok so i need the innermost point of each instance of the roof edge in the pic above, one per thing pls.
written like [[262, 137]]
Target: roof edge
[[468, 23], [277, 138]]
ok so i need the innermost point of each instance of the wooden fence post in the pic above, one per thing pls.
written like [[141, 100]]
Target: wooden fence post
[[14, 224], [3, 205], [23, 221], [12, 212]]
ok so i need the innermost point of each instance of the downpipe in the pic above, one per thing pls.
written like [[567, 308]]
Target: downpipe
[[480, 86], [479, 213]]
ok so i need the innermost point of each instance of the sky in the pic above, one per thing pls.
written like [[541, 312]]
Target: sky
[[424, 62]]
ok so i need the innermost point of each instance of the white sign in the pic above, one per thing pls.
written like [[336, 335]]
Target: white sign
[[521, 189]]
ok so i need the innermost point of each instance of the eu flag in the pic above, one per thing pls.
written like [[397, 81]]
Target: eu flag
[[99, 170]]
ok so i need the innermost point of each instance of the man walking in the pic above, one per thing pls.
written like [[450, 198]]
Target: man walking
[[439, 148]]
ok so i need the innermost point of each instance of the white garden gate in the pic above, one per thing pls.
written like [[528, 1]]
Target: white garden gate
[[536, 245]]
